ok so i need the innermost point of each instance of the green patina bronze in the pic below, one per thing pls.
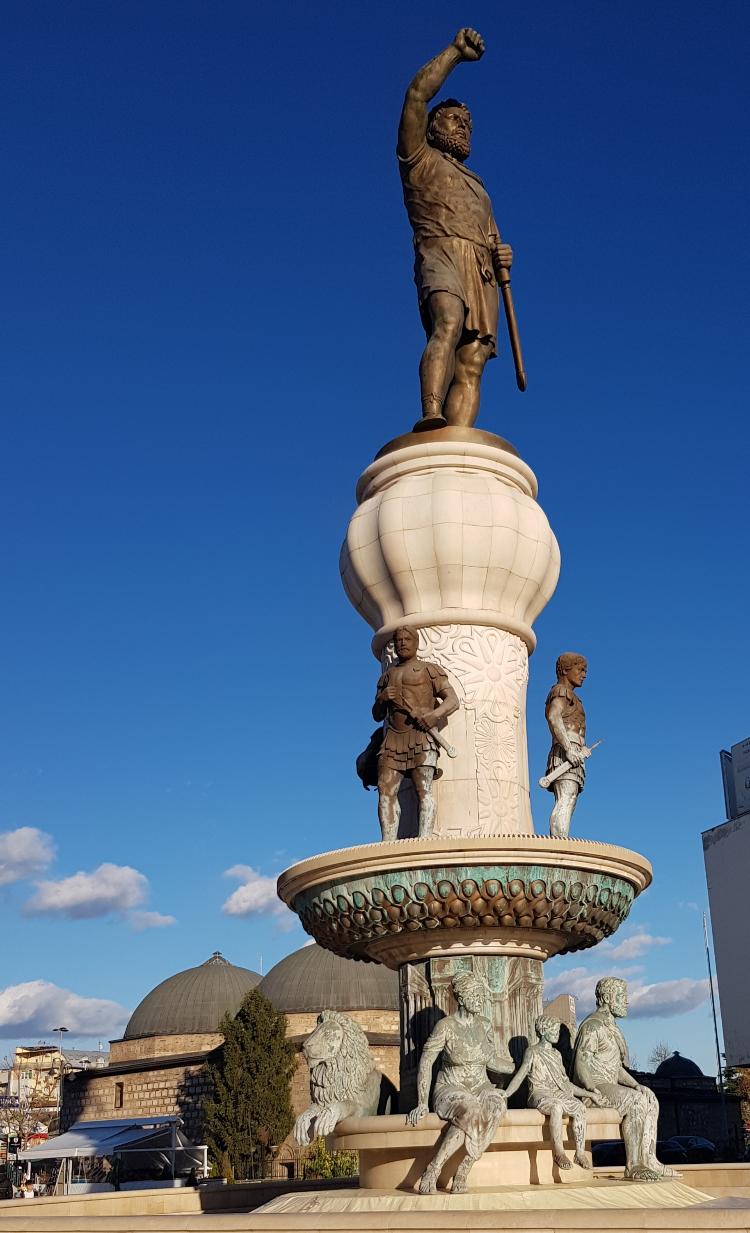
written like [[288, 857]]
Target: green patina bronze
[[344, 916]]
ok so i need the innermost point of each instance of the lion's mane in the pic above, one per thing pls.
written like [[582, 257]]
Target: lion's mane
[[346, 1075]]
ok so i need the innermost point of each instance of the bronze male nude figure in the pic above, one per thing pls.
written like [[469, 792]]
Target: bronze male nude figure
[[458, 253]]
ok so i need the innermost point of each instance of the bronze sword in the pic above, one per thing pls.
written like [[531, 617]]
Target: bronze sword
[[502, 274]]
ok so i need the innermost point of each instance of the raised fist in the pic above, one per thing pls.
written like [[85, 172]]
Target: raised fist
[[470, 44]]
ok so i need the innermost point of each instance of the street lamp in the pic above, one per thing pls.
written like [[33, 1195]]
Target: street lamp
[[60, 1031]]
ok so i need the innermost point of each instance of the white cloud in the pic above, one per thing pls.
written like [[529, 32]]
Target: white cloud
[[150, 920], [110, 888], [257, 894], [667, 998], [637, 944], [580, 984], [35, 1007], [23, 853], [664, 999]]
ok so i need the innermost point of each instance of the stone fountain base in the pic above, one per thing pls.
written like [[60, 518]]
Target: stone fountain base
[[393, 1155]]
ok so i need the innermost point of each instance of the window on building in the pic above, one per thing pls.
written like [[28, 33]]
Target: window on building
[[119, 1093]]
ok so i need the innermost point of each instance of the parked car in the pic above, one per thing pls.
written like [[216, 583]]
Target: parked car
[[610, 1152], [699, 1150]]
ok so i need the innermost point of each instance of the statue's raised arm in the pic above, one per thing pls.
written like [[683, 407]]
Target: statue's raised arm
[[467, 45], [459, 258]]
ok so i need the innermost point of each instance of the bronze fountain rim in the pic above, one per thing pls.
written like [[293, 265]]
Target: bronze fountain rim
[[407, 854]]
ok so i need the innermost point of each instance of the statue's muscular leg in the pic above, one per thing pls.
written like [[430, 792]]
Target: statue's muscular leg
[[439, 358], [566, 797], [453, 1139], [389, 810], [579, 1134], [422, 777], [462, 401], [556, 1134]]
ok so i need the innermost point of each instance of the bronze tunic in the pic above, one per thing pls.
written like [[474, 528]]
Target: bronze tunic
[[406, 744], [574, 719], [451, 216]]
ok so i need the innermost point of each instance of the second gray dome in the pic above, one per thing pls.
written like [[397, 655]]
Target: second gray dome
[[313, 979]]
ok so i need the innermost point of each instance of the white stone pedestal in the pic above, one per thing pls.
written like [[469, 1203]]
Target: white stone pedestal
[[448, 538]]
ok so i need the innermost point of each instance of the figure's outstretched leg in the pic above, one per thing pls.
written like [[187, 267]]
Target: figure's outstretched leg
[[556, 1133], [462, 400], [422, 777], [491, 1111], [566, 798], [635, 1135], [461, 1176], [389, 810], [438, 361], [578, 1114], [451, 1142]]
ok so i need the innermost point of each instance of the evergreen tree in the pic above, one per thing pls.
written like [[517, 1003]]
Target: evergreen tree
[[250, 1106]]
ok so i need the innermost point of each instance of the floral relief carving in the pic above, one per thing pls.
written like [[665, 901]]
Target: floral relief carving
[[491, 668]]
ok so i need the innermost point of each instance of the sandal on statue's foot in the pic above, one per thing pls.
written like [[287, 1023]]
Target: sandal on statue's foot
[[641, 1173], [428, 1181], [461, 1177], [561, 1160]]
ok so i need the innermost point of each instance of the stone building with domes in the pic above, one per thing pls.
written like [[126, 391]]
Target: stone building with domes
[[158, 1066], [690, 1103]]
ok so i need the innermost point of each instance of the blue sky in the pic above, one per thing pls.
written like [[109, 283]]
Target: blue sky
[[210, 329]]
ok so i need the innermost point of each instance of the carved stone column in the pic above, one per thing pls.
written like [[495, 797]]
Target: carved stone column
[[485, 789], [515, 1000], [448, 537]]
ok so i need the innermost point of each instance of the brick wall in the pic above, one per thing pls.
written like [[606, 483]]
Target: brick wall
[[163, 1046], [378, 1021], [180, 1088], [171, 1089]]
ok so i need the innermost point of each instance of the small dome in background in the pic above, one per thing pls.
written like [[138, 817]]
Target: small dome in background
[[192, 1001], [678, 1067], [313, 979]]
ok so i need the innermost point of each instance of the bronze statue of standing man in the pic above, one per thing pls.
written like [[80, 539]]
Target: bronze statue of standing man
[[459, 257], [405, 699], [567, 724]]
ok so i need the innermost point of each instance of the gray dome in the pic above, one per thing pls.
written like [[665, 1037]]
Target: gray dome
[[192, 1001], [678, 1067], [313, 979]]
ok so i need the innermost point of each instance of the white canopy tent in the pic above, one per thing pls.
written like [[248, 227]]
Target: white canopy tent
[[147, 1145]]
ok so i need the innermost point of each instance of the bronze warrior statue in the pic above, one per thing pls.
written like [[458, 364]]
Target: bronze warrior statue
[[459, 257], [405, 699], [566, 718]]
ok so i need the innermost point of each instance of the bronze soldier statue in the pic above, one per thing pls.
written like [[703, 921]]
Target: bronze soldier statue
[[405, 699], [567, 723], [459, 257]]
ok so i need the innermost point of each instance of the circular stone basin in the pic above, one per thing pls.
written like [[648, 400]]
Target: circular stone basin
[[413, 899]]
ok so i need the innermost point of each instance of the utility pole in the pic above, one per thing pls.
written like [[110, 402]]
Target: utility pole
[[719, 1069], [60, 1031]]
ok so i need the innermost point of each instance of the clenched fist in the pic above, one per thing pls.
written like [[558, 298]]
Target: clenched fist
[[502, 254], [470, 44]]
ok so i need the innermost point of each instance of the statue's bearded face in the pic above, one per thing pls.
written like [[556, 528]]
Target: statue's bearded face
[[405, 642], [450, 132]]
